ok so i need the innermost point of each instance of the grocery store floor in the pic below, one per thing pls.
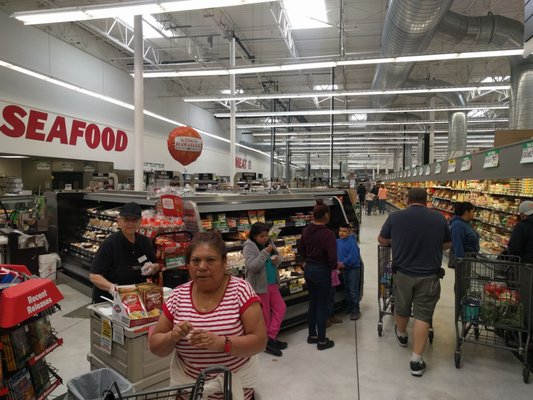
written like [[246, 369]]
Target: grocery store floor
[[360, 366]]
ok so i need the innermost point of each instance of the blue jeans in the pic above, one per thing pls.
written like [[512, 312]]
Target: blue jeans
[[331, 302], [382, 206], [318, 279], [352, 281], [369, 206]]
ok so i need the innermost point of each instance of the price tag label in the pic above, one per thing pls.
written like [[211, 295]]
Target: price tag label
[[279, 223], [175, 262], [295, 287], [527, 153], [451, 166], [106, 336], [466, 163], [492, 159], [299, 222]]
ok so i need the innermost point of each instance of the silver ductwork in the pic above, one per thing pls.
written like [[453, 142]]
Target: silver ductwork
[[490, 29], [497, 30], [521, 104], [409, 28], [457, 123]]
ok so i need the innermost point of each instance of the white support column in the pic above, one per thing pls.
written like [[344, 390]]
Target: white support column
[[138, 102], [232, 121], [432, 131]]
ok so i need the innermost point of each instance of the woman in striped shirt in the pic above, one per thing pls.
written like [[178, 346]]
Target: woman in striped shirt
[[214, 319]]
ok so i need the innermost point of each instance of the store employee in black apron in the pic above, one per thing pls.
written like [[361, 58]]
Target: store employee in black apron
[[124, 258]]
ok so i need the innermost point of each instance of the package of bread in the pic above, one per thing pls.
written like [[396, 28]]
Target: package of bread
[[152, 297], [132, 301]]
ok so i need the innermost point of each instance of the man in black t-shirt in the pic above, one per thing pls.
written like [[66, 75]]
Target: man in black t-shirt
[[418, 236], [124, 258]]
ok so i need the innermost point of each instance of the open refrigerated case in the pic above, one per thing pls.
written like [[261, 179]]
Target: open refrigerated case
[[229, 213]]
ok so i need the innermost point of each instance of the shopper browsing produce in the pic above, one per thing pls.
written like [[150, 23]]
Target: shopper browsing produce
[[318, 247], [464, 238], [521, 242], [349, 258], [418, 236], [214, 319], [382, 198], [124, 258], [261, 260]]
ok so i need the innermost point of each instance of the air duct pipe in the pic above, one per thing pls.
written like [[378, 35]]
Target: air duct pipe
[[499, 31], [409, 28], [457, 126]]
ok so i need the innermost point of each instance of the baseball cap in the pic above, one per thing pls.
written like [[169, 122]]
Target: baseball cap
[[131, 210], [526, 207]]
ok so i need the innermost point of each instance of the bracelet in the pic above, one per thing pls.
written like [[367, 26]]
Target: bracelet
[[227, 345]]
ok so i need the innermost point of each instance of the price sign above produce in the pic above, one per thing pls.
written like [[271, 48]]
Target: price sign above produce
[[492, 159], [527, 153]]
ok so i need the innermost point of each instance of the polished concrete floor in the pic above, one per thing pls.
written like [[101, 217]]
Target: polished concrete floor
[[362, 365]]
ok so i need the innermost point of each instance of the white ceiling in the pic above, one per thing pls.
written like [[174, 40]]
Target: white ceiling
[[201, 42]]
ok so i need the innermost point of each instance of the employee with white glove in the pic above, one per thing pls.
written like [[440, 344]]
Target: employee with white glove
[[126, 257]]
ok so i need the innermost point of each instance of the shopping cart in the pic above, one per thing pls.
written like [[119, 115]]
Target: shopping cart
[[385, 288], [193, 391], [493, 304]]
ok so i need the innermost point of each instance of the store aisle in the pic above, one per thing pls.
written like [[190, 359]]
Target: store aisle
[[361, 365]]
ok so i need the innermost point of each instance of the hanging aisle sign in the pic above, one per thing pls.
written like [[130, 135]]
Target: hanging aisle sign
[[527, 153], [28, 131], [466, 163], [451, 166], [492, 159]]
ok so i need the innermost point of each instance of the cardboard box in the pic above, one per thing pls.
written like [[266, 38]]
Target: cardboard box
[[505, 137]]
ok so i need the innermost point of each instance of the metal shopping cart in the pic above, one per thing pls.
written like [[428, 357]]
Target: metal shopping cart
[[493, 304], [193, 391], [385, 288]]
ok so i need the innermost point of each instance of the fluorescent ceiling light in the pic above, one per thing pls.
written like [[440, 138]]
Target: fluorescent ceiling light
[[362, 110], [228, 91], [346, 93], [325, 87], [152, 29], [83, 13], [114, 101], [349, 124], [14, 157], [331, 64], [310, 15]]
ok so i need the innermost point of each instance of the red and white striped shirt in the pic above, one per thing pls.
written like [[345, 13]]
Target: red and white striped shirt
[[224, 320]]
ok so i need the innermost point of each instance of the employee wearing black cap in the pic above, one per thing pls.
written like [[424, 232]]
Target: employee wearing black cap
[[124, 258]]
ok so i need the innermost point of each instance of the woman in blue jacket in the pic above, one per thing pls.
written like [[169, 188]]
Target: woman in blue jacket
[[464, 238]]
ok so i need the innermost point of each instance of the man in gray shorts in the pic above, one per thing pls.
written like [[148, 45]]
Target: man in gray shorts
[[418, 236]]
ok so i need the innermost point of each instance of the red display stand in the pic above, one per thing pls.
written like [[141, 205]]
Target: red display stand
[[26, 299], [21, 302]]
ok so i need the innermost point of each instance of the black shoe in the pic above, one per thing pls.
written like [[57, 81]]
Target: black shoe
[[402, 340], [417, 368], [281, 345], [272, 348], [312, 340], [328, 344]]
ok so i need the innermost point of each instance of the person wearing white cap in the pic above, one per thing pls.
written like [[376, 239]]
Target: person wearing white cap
[[521, 242]]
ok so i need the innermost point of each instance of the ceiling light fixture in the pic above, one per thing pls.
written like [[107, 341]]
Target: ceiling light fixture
[[115, 101], [14, 157], [356, 110], [84, 13], [361, 133], [331, 64], [344, 93], [369, 123]]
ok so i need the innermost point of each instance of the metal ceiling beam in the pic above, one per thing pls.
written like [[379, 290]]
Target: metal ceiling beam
[[283, 24]]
